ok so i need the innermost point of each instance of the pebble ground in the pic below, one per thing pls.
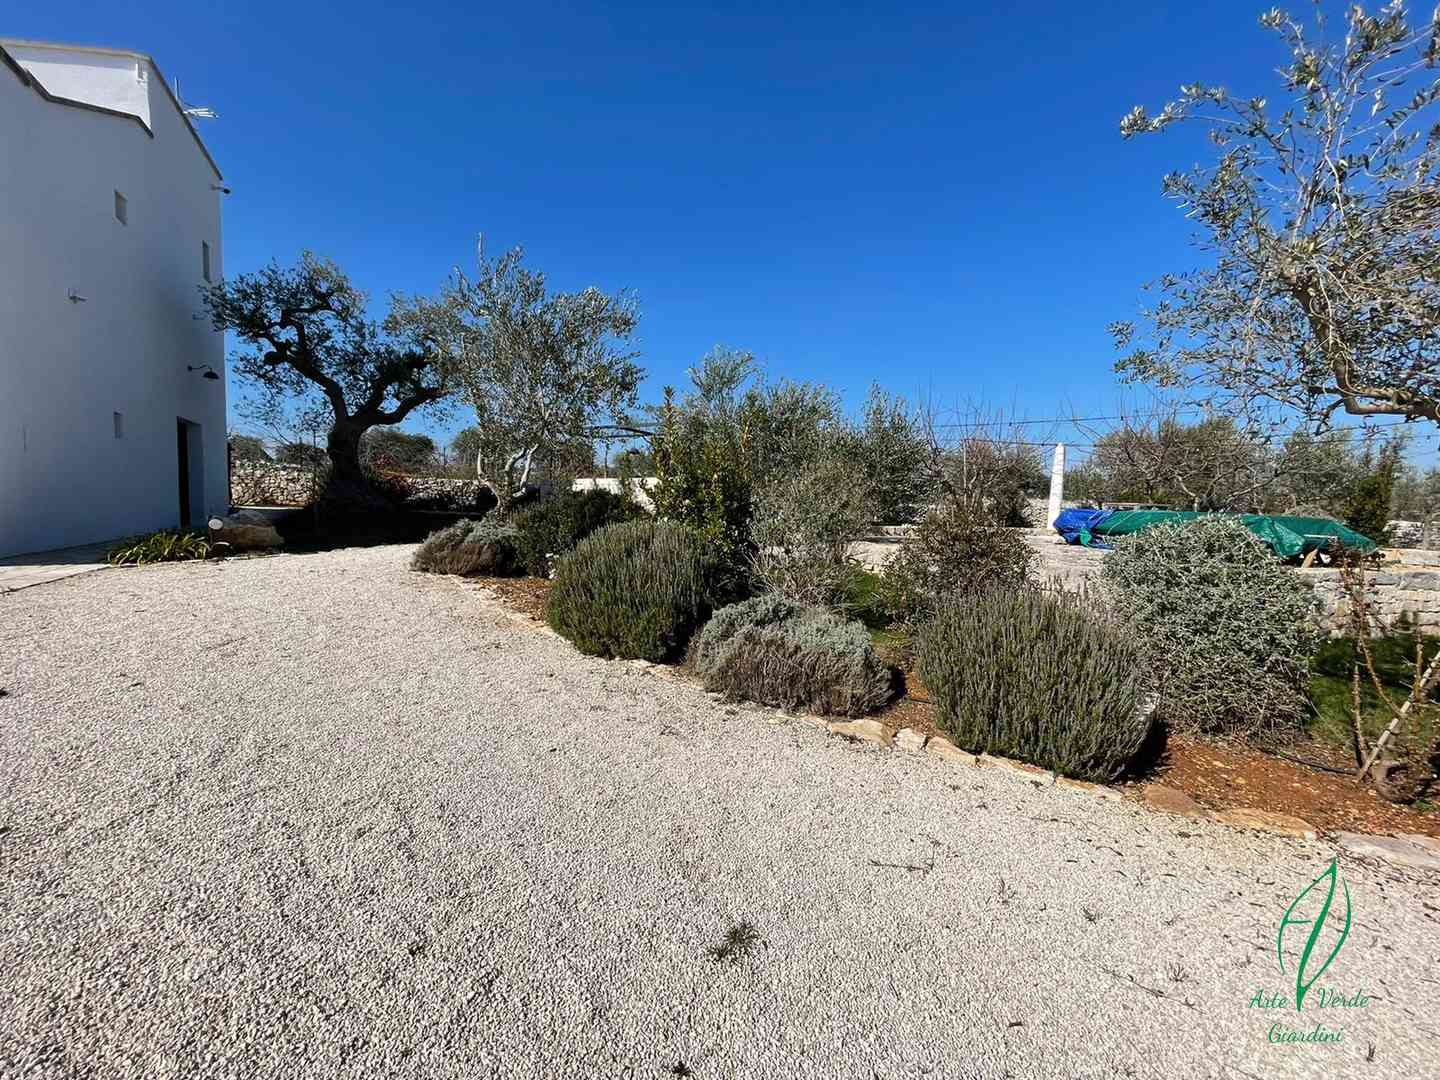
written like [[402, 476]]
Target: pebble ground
[[319, 816]]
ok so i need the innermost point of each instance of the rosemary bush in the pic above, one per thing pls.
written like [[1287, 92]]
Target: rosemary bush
[[636, 590], [776, 651], [1030, 675]]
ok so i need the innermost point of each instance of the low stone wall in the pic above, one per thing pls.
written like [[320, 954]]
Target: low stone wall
[[1407, 585], [267, 483], [1415, 534]]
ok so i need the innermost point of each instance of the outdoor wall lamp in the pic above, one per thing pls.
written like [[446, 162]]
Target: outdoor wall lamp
[[210, 372]]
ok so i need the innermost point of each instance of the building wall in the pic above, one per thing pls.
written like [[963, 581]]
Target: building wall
[[67, 368]]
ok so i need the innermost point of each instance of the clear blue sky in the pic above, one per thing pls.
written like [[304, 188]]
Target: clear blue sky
[[934, 198]]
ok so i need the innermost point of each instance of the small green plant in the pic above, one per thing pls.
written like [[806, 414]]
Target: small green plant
[[1225, 628], [952, 552], [165, 546], [553, 527], [740, 940], [468, 548], [776, 651], [1030, 675], [636, 590]]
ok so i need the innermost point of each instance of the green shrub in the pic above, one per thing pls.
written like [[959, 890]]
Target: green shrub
[[703, 481], [636, 590], [952, 552], [776, 651], [553, 527], [468, 548], [1227, 630], [1030, 675], [165, 546], [803, 525]]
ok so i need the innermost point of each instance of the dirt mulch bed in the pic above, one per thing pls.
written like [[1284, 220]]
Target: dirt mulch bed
[[1227, 777], [1218, 776], [911, 708], [1224, 777], [526, 595]]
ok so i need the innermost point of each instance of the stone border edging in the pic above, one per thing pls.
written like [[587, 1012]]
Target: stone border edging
[[1153, 796]]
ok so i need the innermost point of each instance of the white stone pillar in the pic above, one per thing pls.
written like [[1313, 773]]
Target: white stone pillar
[[1057, 486]]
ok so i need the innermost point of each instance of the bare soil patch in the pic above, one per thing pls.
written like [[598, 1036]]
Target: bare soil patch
[[525, 595], [1223, 777]]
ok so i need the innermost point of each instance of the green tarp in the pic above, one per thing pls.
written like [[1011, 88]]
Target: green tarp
[[1288, 537]]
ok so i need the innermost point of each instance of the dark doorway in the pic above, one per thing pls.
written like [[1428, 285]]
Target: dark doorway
[[182, 451], [190, 472]]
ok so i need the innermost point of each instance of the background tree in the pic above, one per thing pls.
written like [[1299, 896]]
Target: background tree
[[1321, 218], [983, 465], [248, 448], [304, 454], [397, 451], [1158, 459], [889, 446], [1368, 509], [1316, 473], [634, 461], [309, 341], [542, 370], [1417, 495]]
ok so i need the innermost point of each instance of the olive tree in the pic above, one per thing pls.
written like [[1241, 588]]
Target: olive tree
[[1320, 218], [1212, 464], [309, 340], [542, 370]]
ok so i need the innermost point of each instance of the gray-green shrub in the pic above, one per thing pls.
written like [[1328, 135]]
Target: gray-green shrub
[[636, 590], [1033, 676], [776, 651], [1227, 630], [468, 548]]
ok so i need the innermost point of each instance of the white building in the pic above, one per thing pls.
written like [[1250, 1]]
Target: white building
[[109, 224]]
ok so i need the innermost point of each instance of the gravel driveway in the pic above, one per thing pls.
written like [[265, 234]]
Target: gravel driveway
[[318, 816]]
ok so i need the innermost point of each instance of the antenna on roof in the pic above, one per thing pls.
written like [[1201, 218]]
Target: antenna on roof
[[195, 112]]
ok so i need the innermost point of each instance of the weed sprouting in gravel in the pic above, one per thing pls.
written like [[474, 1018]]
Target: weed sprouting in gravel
[[1176, 972], [1006, 893], [740, 939]]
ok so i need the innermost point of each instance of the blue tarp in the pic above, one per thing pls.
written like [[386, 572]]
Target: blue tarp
[[1076, 525]]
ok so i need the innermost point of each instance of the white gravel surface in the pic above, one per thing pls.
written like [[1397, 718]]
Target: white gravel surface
[[318, 816]]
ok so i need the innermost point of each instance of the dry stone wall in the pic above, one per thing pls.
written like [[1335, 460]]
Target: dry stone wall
[[268, 483], [1406, 587]]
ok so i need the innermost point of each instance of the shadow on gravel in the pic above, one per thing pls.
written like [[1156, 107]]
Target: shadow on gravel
[[307, 532]]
